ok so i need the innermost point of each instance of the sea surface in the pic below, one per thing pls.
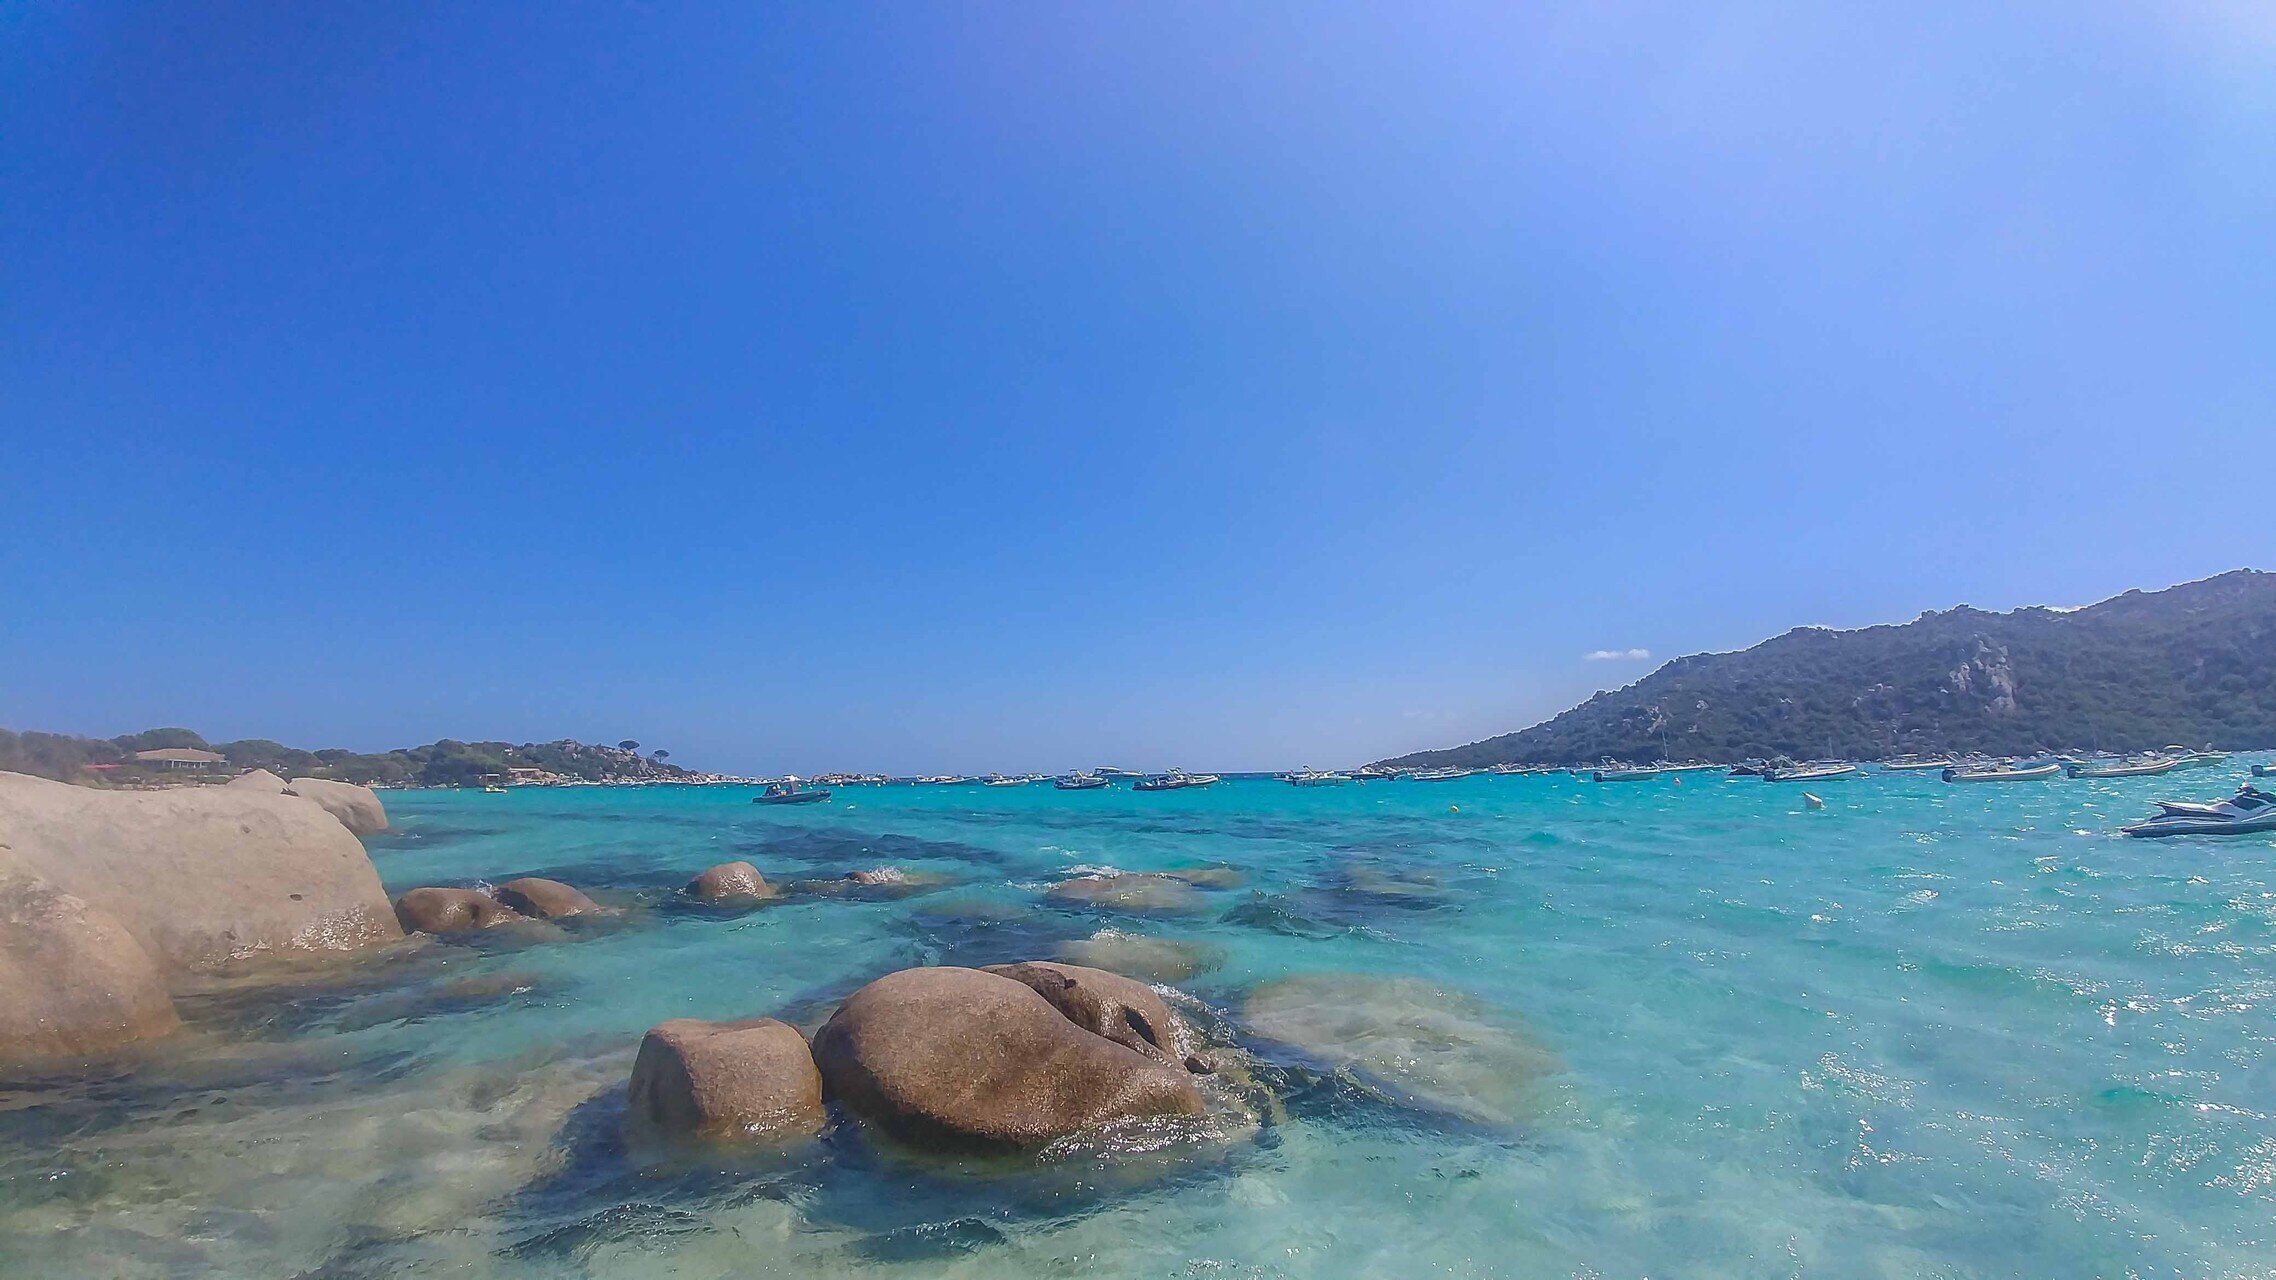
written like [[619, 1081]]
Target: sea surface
[[1495, 1027]]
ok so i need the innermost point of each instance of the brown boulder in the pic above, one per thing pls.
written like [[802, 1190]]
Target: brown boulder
[[962, 1059], [544, 899], [73, 980], [357, 808], [200, 875], [1123, 1010], [1129, 892], [1212, 877], [730, 882], [726, 1079], [451, 910]]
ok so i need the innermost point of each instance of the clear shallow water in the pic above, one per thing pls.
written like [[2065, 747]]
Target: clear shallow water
[[1929, 1031]]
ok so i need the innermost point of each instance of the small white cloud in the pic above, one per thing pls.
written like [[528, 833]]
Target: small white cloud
[[1618, 655]]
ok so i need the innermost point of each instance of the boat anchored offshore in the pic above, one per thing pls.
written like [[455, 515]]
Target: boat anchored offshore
[[1624, 773], [1080, 782], [1316, 778], [1174, 780], [2002, 772], [2146, 768], [1911, 764], [2248, 811], [1810, 773], [788, 791], [1449, 774]]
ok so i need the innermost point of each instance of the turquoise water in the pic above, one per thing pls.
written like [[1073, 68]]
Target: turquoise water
[[1927, 1031]]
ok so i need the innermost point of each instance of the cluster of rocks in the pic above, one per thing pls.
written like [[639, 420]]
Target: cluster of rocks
[[109, 899], [1008, 1058], [447, 910]]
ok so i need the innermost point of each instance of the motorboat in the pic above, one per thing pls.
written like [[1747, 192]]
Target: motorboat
[[2248, 811], [1822, 772], [1174, 780], [943, 780], [1439, 775], [999, 780], [1080, 782], [2145, 768], [2201, 759], [1316, 778], [1913, 764], [1624, 773], [788, 791], [2002, 772]]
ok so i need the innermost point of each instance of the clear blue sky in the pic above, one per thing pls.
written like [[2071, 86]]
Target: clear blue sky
[[995, 386]]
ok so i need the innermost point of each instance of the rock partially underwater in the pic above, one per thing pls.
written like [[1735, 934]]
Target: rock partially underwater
[[542, 899], [965, 1060], [1140, 892], [439, 910], [730, 883], [1138, 956], [726, 1079], [1419, 1043]]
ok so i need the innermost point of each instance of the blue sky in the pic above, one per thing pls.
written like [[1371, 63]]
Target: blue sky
[[988, 386]]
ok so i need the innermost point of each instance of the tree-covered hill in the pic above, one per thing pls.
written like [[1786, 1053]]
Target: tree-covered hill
[[446, 763], [2193, 664]]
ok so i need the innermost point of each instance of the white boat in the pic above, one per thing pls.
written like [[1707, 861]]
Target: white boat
[[1439, 775], [2002, 772], [1624, 774], [1909, 764], [2149, 768], [1811, 773], [2248, 811], [999, 780], [1081, 782], [1174, 780], [1316, 778], [2201, 759]]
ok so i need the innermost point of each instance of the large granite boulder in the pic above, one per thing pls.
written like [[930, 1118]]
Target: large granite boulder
[[73, 980], [259, 780], [435, 910], [1144, 892], [545, 899], [200, 875], [730, 882], [961, 1059], [357, 808], [1123, 1010], [726, 1079]]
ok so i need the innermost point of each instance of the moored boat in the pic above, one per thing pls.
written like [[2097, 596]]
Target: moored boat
[[788, 791], [1174, 780], [1440, 775], [2249, 810], [1316, 778], [1624, 773], [1912, 764], [999, 780], [2149, 768], [1080, 782], [2002, 772], [1823, 772]]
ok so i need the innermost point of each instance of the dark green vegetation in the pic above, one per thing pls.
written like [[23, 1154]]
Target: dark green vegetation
[[2193, 664], [446, 763]]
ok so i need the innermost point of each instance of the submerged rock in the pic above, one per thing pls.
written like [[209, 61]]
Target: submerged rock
[[357, 808], [1211, 877], [544, 899], [73, 981], [726, 1079], [1427, 1045], [451, 910], [200, 875], [730, 882], [1146, 891], [964, 1059], [1138, 956]]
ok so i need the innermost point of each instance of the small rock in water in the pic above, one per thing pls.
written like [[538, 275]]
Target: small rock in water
[[1140, 892], [1137, 956], [726, 1079], [730, 882], [451, 910], [1436, 1048], [545, 899]]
